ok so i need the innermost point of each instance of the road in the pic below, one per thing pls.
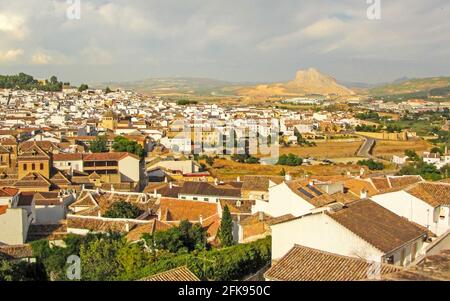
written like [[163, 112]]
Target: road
[[366, 147]]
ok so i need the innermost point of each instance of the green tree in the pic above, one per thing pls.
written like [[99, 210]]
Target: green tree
[[99, 145], [412, 155], [123, 209], [107, 90], [122, 144], [290, 160], [99, 259], [226, 228], [182, 239], [371, 164], [83, 87], [283, 172]]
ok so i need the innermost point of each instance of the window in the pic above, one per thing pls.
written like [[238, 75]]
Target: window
[[390, 259], [195, 198], [41, 166], [206, 199], [33, 166], [25, 166]]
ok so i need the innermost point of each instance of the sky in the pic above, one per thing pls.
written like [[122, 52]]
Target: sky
[[233, 40]]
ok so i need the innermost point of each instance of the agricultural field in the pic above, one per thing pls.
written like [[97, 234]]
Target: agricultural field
[[325, 150], [385, 148], [230, 170]]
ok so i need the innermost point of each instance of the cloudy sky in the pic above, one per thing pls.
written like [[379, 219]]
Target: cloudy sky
[[235, 40]]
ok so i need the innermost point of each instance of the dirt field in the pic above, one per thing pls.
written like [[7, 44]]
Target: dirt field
[[329, 149], [229, 170], [386, 149]]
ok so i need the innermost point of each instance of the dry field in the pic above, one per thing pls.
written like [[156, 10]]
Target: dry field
[[229, 170], [328, 149], [386, 149]]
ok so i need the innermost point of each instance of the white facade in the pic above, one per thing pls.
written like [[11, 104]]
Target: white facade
[[437, 220], [282, 201], [130, 169], [319, 231]]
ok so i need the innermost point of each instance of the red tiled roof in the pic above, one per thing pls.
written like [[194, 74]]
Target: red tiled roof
[[67, 157], [107, 156], [307, 264], [8, 192]]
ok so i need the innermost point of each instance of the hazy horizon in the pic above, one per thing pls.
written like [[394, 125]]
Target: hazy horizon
[[235, 41]]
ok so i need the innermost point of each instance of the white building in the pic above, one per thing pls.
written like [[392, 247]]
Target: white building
[[425, 203], [363, 229]]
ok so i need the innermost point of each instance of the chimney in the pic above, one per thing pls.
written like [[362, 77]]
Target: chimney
[[201, 219], [216, 181], [165, 179], [288, 177], [155, 193], [127, 227], [363, 194], [238, 179], [170, 185], [260, 216], [311, 183]]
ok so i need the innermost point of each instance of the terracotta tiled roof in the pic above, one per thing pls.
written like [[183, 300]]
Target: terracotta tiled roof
[[380, 183], [16, 252], [3, 209], [177, 274], [238, 206], [8, 191], [67, 157], [207, 189], [107, 156], [355, 186], [403, 181], [260, 183], [33, 179], [150, 228], [383, 229], [178, 210], [435, 194], [306, 264], [313, 195]]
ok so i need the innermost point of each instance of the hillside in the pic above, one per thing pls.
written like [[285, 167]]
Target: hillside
[[308, 81], [435, 86], [181, 85]]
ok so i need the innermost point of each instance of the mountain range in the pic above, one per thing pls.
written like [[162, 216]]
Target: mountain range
[[306, 82]]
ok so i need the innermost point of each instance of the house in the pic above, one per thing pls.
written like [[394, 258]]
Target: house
[[436, 159], [257, 187], [425, 203], [362, 229], [87, 212], [208, 192], [307, 264], [50, 207], [400, 160], [68, 162], [114, 167], [16, 216], [173, 211], [299, 197]]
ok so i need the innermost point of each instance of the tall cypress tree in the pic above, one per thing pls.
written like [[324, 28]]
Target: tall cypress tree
[[226, 228]]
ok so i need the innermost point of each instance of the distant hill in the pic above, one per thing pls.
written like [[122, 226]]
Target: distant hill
[[309, 81], [176, 85], [437, 86]]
